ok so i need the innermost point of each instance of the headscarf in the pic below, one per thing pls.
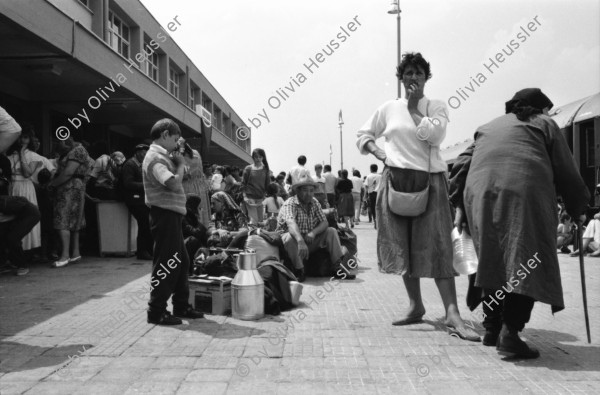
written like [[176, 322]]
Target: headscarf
[[527, 102], [226, 200], [118, 158]]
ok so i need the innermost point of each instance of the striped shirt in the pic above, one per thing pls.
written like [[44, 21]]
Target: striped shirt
[[157, 169]]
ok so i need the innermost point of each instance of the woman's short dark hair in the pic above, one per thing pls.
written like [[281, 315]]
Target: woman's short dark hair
[[344, 173], [356, 173], [413, 59], [162, 125], [374, 168]]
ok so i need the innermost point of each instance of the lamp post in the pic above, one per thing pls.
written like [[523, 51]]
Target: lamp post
[[396, 10], [340, 123]]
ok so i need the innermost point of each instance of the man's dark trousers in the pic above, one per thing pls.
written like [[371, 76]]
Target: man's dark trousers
[[372, 204], [165, 226], [11, 232], [141, 213], [514, 310]]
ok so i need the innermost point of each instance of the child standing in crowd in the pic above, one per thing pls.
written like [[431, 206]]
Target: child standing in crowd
[[273, 202], [165, 196], [565, 234], [255, 181]]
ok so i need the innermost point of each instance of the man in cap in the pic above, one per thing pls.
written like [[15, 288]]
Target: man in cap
[[133, 194], [305, 229]]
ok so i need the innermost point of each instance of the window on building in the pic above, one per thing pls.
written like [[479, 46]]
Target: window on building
[[194, 95], [217, 121], [227, 126], [151, 64], [118, 34], [174, 77]]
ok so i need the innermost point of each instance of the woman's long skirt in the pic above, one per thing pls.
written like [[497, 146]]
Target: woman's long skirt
[[419, 246]]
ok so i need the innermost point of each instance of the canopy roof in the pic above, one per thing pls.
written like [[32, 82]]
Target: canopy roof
[[577, 111]]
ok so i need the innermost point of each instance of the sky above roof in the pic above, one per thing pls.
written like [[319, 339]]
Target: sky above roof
[[262, 57]]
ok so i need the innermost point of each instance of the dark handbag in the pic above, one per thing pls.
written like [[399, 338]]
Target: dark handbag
[[409, 204], [319, 264]]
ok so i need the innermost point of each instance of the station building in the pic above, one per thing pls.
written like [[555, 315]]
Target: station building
[[106, 70]]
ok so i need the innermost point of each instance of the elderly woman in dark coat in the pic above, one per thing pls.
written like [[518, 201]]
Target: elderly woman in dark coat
[[504, 184]]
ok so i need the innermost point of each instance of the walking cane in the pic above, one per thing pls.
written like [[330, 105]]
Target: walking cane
[[582, 272]]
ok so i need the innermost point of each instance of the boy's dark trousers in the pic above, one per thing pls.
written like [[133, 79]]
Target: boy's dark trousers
[[165, 226]]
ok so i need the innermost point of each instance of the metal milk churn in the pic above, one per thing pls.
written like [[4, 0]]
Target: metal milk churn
[[248, 289]]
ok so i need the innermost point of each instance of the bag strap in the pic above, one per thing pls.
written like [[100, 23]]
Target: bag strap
[[429, 166]]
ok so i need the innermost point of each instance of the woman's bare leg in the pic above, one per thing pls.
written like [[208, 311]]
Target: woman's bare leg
[[416, 310], [75, 244], [65, 238], [447, 288]]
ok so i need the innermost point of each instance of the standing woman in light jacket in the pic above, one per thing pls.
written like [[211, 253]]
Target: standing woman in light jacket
[[415, 247]]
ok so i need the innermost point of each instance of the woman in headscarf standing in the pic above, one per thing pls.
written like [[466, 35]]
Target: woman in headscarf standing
[[419, 246], [504, 187]]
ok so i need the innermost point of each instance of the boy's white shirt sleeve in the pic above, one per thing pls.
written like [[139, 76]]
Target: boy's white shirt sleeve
[[162, 173]]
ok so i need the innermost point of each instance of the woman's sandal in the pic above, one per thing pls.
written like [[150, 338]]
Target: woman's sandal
[[74, 260], [60, 263]]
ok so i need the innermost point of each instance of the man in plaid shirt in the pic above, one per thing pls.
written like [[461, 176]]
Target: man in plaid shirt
[[305, 229]]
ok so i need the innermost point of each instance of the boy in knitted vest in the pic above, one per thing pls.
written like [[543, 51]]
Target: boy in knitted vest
[[162, 177]]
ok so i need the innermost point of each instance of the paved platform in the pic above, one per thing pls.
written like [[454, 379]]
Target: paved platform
[[82, 330]]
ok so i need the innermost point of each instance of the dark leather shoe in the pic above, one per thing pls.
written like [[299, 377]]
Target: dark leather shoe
[[491, 338], [188, 313], [300, 275], [165, 319], [509, 343], [341, 274]]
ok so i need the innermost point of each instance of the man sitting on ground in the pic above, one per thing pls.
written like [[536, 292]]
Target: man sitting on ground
[[591, 238], [305, 230]]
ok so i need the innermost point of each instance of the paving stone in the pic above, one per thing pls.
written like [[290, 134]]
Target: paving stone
[[216, 375], [341, 343]]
